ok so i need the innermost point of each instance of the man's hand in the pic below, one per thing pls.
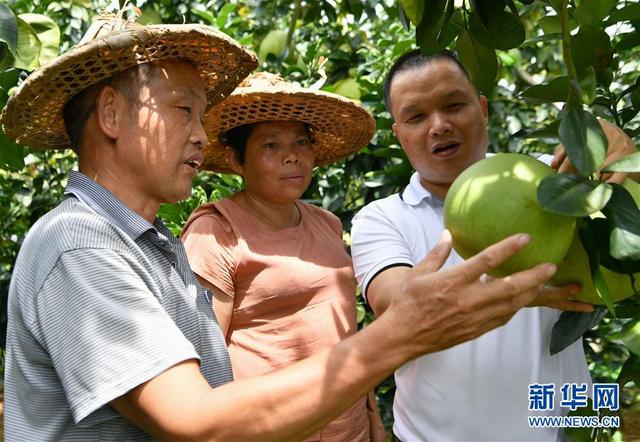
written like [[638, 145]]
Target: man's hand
[[560, 298], [443, 308], [557, 297], [620, 145]]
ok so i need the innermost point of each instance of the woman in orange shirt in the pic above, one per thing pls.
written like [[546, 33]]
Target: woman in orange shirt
[[282, 283]]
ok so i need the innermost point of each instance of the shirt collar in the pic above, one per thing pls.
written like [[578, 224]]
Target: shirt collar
[[415, 193], [107, 205]]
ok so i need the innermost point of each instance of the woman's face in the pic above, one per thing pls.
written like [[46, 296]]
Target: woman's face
[[278, 161]]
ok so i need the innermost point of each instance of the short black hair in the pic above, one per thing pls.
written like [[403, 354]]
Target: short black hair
[[237, 137], [416, 59]]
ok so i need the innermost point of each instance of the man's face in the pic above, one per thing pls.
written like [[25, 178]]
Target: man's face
[[163, 136], [440, 122]]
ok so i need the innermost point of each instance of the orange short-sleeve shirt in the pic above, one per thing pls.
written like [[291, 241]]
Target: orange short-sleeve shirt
[[293, 291]]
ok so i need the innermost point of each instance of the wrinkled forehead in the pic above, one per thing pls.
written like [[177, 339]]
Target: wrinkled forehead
[[177, 77]]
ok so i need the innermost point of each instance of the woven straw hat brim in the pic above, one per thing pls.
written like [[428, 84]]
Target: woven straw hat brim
[[33, 115], [340, 126]]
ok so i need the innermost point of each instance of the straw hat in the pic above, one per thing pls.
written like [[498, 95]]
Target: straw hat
[[33, 115], [340, 126]]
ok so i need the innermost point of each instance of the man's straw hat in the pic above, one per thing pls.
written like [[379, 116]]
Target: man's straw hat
[[33, 115], [340, 126]]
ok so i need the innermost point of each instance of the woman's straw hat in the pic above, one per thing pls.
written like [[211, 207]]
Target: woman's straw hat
[[33, 115], [340, 126]]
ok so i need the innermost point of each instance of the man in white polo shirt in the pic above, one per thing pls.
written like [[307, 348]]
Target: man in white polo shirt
[[477, 390]]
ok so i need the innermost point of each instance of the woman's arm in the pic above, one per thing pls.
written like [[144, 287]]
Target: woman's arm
[[221, 303]]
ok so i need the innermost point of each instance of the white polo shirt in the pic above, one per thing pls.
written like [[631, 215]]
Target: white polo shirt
[[478, 390]]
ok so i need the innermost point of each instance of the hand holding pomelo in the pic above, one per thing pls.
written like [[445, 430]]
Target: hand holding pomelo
[[497, 197]]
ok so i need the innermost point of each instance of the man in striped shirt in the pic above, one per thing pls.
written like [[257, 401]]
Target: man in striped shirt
[[110, 337]]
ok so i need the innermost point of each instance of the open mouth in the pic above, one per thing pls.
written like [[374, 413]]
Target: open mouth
[[446, 148], [193, 163]]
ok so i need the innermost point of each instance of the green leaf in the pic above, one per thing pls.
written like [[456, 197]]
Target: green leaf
[[550, 24], [627, 41], [588, 84], [11, 154], [480, 61], [602, 288], [600, 231], [583, 140], [592, 249], [630, 371], [205, 15], [48, 34], [504, 30], [591, 12], [630, 335], [414, 10], [428, 33], [549, 131], [572, 195], [571, 326], [631, 11], [9, 79], [557, 90], [403, 17], [8, 28], [6, 57], [635, 95], [29, 46], [628, 164], [486, 9], [221, 19], [623, 215], [591, 46]]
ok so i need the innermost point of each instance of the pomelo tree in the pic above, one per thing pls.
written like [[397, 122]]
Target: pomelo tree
[[518, 53]]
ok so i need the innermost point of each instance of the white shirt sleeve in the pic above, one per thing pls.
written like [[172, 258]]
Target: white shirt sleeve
[[377, 243]]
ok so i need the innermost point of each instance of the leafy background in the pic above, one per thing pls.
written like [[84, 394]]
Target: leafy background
[[513, 51]]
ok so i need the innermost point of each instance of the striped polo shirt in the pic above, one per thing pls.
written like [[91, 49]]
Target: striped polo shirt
[[100, 302]]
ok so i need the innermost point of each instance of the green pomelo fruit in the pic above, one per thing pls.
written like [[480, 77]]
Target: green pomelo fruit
[[497, 197], [575, 268], [348, 87], [273, 43]]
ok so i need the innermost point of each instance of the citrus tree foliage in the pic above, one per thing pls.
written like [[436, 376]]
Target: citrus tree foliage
[[537, 94]]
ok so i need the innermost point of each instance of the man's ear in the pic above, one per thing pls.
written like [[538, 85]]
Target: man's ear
[[393, 129], [484, 106], [234, 164], [110, 109]]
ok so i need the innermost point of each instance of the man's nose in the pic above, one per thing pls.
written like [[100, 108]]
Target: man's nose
[[198, 136], [439, 124]]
